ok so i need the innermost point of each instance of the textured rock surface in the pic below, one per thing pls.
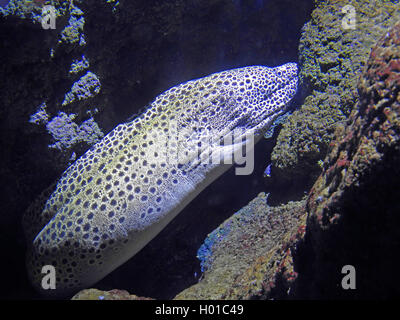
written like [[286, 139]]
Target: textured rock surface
[[246, 250], [353, 206], [94, 294], [331, 59]]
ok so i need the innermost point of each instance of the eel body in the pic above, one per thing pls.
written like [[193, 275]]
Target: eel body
[[124, 190]]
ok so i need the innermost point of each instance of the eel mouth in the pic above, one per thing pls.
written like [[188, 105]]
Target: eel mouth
[[289, 73]]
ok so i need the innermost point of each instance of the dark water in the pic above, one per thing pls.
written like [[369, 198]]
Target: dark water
[[3, 3]]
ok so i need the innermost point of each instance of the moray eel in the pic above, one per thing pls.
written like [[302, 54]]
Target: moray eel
[[123, 191]]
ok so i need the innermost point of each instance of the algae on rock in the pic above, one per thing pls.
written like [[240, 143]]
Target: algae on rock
[[243, 260], [331, 60]]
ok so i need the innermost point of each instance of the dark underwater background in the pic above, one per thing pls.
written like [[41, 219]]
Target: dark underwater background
[[122, 54]]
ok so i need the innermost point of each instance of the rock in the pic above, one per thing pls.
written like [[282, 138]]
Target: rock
[[94, 294], [353, 206], [331, 59], [240, 257]]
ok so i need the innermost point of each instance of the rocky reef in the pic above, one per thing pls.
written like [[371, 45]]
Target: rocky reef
[[331, 57], [64, 88], [240, 257], [349, 217], [353, 206], [94, 294]]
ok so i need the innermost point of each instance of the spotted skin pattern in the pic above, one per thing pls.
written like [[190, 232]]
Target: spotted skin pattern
[[114, 199]]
